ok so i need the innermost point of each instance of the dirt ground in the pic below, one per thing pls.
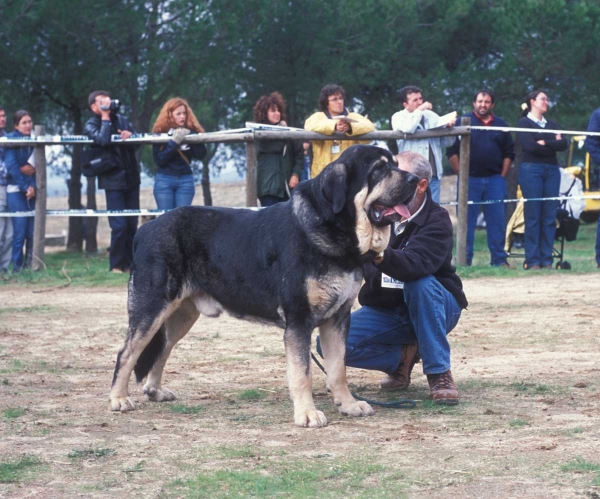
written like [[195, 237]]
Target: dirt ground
[[526, 358]]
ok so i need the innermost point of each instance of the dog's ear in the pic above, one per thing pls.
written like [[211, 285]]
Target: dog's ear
[[335, 186]]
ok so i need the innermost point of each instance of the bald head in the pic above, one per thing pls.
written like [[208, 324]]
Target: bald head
[[413, 162]]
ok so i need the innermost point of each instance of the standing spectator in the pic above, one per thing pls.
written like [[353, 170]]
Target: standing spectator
[[592, 144], [174, 184], [491, 155], [6, 229], [334, 117], [279, 162], [121, 183], [418, 115], [539, 177], [20, 190]]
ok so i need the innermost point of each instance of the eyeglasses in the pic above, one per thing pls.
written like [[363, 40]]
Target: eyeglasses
[[336, 99], [543, 99]]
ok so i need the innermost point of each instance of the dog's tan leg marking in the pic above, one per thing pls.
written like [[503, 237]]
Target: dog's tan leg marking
[[128, 355], [300, 383], [334, 350], [364, 229], [176, 327]]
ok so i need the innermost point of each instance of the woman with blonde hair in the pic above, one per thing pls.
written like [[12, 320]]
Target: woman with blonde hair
[[174, 184]]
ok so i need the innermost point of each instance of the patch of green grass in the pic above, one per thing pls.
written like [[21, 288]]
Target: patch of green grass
[[236, 452], [28, 310], [5, 381], [293, 479], [580, 465], [252, 394], [13, 367], [80, 453], [14, 471], [185, 409], [519, 423], [529, 387], [580, 253], [82, 269], [14, 413]]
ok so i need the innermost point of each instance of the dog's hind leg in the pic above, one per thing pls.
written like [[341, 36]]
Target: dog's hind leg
[[333, 334], [297, 353], [176, 326]]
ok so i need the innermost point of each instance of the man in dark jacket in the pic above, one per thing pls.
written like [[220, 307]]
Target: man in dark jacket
[[412, 297], [491, 154], [121, 178]]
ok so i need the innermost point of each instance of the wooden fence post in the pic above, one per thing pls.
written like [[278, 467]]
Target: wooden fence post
[[463, 195], [39, 226], [251, 173]]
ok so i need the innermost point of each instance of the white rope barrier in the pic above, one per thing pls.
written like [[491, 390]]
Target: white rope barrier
[[136, 213]]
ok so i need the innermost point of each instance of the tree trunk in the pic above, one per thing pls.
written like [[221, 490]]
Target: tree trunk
[[75, 238], [206, 185]]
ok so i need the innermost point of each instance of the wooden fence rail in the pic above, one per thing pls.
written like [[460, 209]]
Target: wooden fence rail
[[249, 137]]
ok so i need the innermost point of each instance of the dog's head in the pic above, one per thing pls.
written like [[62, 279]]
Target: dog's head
[[366, 178], [362, 191]]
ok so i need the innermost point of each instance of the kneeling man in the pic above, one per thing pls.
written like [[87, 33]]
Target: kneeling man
[[412, 297]]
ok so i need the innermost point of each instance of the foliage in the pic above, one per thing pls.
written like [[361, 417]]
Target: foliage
[[94, 453]]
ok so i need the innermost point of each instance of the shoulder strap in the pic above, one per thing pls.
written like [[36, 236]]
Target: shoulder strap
[[183, 156]]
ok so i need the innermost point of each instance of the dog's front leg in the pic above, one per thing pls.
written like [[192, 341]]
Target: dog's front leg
[[297, 353], [333, 334]]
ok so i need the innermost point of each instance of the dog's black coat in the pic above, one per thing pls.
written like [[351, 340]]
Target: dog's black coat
[[256, 264]]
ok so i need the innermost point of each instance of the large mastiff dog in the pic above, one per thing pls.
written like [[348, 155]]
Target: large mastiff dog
[[296, 264]]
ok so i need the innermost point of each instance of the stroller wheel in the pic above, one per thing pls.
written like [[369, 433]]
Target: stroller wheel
[[565, 266]]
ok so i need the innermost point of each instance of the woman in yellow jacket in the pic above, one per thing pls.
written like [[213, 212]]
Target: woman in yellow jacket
[[332, 118]]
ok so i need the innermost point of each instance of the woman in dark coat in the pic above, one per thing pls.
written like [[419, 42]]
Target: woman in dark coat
[[539, 177], [20, 189], [280, 162], [174, 185]]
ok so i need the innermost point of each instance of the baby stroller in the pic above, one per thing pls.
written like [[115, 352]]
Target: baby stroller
[[567, 221]]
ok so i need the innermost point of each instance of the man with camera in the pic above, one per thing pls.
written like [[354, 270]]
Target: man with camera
[[118, 174]]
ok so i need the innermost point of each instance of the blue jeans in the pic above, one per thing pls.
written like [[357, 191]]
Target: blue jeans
[[22, 229], [6, 232], [539, 181], [377, 335], [122, 229], [488, 189], [171, 191], [435, 187]]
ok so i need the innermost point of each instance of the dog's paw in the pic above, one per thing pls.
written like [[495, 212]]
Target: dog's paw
[[122, 404], [357, 408], [159, 394], [310, 419]]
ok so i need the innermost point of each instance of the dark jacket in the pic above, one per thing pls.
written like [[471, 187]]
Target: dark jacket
[[15, 158], [488, 148], [126, 173], [277, 161], [169, 160], [534, 152], [592, 144], [423, 249]]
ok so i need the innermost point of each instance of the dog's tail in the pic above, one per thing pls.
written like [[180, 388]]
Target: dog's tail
[[150, 354]]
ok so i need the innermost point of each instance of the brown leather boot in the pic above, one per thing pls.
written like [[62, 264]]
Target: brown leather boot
[[442, 388], [400, 378]]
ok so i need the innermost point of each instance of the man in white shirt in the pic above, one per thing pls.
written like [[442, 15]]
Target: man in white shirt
[[417, 115]]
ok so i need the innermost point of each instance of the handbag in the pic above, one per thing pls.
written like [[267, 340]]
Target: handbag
[[97, 161]]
